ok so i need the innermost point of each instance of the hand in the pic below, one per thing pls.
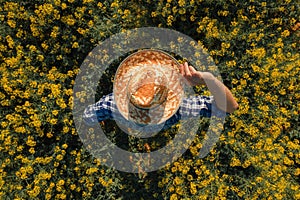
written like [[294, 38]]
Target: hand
[[222, 95], [193, 76]]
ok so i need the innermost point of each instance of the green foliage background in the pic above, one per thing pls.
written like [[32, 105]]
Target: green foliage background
[[256, 47]]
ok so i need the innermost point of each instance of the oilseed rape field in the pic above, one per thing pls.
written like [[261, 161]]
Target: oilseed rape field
[[254, 43]]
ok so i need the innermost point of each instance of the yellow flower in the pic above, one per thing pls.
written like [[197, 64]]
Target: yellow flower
[[62, 196], [100, 5], [231, 63], [285, 33], [103, 182], [91, 170], [246, 164], [177, 181], [182, 11], [75, 45], [171, 188], [126, 13], [179, 190], [49, 135], [61, 182], [34, 192], [55, 89], [81, 31], [258, 52], [181, 3], [259, 179], [87, 1], [223, 13], [32, 150], [53, 121], [170, 20], [73, 187], [10, 41], [55, 112], [235, 162], [61, 103], [30, 141], [193, 188], [20, 129], [174, 197], [69, 20], [54, 32], [48, 196], [59, 157], [288, 161], [11, 23]]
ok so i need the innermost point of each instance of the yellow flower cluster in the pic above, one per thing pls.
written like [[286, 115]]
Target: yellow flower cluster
[[42, 45]]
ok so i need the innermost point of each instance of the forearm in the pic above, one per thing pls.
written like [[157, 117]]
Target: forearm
[[222, 95]]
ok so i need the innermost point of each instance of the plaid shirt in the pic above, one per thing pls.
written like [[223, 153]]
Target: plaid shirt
[[192, 107]]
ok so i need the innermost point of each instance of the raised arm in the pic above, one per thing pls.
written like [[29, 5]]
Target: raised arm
[[222, 95]]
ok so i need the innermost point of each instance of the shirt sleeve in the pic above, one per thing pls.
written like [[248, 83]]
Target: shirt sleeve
[[100, 111], [197, 106]]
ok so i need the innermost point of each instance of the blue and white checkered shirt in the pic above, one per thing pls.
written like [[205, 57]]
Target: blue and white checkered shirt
[[192, 107]]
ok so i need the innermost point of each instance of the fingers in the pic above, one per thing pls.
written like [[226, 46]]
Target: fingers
[[192, 69], [181, 69], [187, 70]]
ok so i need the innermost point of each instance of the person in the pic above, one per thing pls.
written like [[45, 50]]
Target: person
[[195, 106]]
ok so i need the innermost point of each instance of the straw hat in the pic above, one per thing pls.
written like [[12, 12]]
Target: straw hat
[[148, 88]]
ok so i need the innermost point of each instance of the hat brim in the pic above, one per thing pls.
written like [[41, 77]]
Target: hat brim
[[137, 61]]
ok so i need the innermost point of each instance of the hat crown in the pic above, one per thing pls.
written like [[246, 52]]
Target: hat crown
[[147, 87]]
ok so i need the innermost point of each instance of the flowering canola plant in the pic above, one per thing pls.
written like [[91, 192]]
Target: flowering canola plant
[[255, 45]]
